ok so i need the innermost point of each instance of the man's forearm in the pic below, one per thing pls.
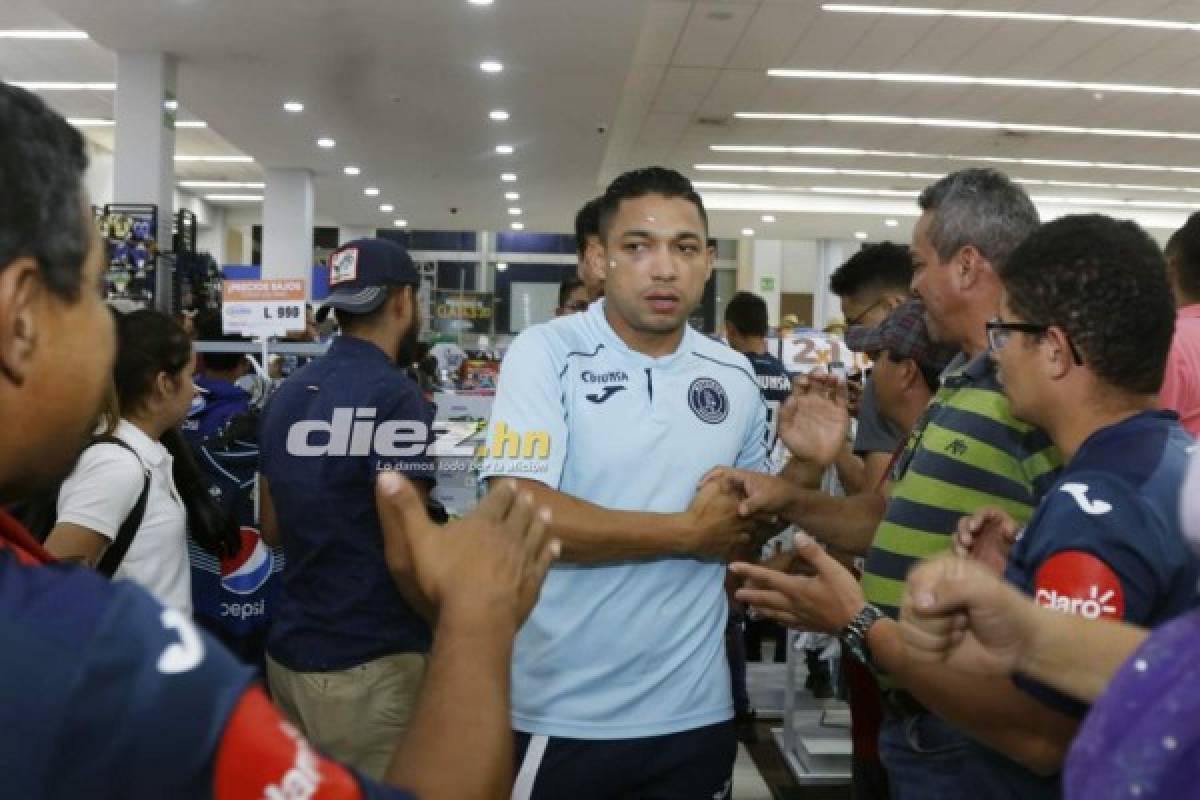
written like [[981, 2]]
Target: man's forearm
[[592, 534], [847, 523], [463, 708], [1079, 656], [991, 710], [850, 469]]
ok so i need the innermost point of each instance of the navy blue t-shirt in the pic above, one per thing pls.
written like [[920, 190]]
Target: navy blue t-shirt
[[1106, 543], [775, 384], [348, 415], [106, 694]]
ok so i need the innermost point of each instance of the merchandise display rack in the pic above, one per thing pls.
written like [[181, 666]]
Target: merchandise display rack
[[815, 737]]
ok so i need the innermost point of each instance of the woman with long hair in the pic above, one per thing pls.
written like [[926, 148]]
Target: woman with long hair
[[153, 390]]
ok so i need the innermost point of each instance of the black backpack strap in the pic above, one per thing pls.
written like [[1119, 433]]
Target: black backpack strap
[[115, 553]]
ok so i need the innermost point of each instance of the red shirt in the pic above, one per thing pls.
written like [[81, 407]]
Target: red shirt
[[1181, 385]]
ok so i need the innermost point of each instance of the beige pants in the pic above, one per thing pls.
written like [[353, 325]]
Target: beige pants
[[356, 715]]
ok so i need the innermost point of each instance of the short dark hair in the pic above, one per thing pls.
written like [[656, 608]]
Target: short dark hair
[[42, 215], [1104, 282], [209, 329], [1184, 248], [587, 224], [641, 182], [881, 267], [979, 207], [747, 313], [566, 287]]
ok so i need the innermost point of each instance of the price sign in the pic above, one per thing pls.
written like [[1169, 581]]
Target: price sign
[[813, 351], [263, 308]]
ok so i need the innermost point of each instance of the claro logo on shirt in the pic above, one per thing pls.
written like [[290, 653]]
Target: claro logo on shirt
[[1079, 583]]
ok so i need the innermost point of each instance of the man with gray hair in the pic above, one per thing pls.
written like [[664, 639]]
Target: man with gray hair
[[967, 451]]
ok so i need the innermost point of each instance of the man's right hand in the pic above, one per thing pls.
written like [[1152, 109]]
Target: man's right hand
[[957, 612], [487, 567], [711, 525], [763, 496], [987, 536]]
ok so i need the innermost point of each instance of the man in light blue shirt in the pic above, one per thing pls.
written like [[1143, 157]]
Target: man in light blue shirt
[[610, 418]]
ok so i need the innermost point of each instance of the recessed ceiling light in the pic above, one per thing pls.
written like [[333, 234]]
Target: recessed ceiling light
[[64, 86], [400, 223], [514, 212], [747, 231], [860, 235], [23, 34], [234, 198], [1023, 16], [326, 143], [504, 149], [190, 123], [501, 266], [970, 124], [293, 107], [91, 122], [215, 159], [768, 218], [509, 177], [222, 185], [512, 195], [351, 171], [965, 80], [517, 226], [387, 208], [371, 191], [891, 223], [171, 105], [492, 66], [498, 116]]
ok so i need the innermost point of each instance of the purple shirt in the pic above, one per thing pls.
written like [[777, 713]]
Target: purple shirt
[[1142, 738]]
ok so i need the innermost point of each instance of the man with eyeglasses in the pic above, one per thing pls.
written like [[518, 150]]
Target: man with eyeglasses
[[1105, 543], [968, 451], [572, 297]]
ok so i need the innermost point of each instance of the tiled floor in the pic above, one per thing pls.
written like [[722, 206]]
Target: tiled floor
[[748, 783]]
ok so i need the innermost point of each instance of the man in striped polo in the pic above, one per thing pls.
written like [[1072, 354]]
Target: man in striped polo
[[966, 452]]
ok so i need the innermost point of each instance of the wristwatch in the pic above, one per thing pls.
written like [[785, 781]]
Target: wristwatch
[[854, 636]]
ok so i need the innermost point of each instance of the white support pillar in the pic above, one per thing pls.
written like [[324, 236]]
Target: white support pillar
[[144, 161], [831, 254], [768, 275], [287, 246]]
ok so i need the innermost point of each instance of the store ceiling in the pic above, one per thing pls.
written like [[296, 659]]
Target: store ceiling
[[397, 84]]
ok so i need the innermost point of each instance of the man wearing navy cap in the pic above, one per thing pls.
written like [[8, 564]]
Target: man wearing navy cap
[[347, 650]]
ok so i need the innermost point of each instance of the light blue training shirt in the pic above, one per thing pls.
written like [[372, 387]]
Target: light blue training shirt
[[629, 649]]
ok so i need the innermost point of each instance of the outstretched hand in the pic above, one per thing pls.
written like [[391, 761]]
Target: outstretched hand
[[490, 565]]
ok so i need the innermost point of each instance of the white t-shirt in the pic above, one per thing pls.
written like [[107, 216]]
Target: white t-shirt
[[101, 492]]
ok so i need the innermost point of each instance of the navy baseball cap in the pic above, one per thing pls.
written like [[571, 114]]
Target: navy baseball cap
[[360, 273]]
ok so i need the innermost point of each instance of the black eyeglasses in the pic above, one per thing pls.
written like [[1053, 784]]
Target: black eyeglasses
[[999, 332], [858, 319]]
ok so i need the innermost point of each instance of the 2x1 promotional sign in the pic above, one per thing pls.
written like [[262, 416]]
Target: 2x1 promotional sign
[[263, 308]]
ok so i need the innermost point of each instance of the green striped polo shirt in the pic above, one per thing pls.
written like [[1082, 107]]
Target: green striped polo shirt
[[966, 452]]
